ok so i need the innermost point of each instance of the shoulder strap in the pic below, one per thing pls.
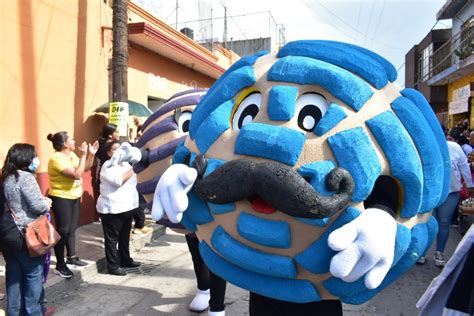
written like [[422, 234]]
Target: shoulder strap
[[10, 209]]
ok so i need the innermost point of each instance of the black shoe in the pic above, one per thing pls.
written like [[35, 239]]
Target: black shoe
[[118, 271], [132, 264], [76, 261], [64, 272]]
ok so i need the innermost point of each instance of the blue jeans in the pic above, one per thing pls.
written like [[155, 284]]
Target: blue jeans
[[25, 291], [443, 215]]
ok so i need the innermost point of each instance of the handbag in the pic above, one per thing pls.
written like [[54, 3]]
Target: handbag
[[40, 236], [11, 238]]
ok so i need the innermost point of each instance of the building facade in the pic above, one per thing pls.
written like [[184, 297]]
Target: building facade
[[56, 58], [417, 67], [453, 63], [442, 65]]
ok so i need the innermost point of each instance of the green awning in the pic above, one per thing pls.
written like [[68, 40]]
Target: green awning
[[134, 109]]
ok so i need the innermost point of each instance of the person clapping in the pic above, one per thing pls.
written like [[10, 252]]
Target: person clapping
[[117, 203]]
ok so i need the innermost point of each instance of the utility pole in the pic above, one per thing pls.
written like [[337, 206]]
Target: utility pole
[[118, 106], [119, 51], [224, 39], [177, 6], [212, 33]]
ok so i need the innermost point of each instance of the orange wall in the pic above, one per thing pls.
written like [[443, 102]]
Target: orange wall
[[54, 72], [54, 58], [173, 77]]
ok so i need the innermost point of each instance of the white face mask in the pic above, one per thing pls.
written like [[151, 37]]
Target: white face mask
[[34, 164]]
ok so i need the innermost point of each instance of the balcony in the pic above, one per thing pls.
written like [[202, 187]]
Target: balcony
[[453, 60]]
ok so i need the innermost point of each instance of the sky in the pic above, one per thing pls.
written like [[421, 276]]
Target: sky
[[388, 27]]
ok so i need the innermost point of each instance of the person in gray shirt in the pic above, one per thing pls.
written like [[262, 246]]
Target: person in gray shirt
[[24, 274]]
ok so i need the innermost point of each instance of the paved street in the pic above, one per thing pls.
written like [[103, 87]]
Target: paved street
[[165, 285]]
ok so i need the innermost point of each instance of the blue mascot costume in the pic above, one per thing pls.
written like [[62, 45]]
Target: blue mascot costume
[[309, 177]]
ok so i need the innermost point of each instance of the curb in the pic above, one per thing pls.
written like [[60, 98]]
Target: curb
[[57, 288], [90, 247]]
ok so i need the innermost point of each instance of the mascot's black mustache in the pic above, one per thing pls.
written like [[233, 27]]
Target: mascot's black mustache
[[275, 183]]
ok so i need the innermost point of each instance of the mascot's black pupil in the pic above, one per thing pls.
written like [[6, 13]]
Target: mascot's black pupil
[[248, 114], [185, 127], [308, 117]]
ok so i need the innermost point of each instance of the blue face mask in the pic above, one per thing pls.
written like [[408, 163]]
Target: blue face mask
[[34, 164]]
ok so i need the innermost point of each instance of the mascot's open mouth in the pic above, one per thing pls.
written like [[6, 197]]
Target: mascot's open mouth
[[272, 186]]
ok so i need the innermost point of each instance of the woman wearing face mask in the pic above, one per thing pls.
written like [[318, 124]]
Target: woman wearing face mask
[[24, 274], [65, 170]]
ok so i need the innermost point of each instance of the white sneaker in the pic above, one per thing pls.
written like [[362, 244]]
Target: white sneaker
[[221, 313], [200, 302], [421, 260], [439, 259]]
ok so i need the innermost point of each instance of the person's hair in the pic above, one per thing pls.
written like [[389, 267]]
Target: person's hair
[[109, 145], [19, 157], [455, 133], [462, 140], [58, 140], [107, 130], [139, 128]]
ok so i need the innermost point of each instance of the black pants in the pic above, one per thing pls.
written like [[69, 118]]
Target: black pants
[[264, 306], [117, 231], [205, 278], [139, 215], [66, 217]]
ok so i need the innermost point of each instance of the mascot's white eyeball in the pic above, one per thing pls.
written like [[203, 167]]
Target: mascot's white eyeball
[[310, 108], [183, 120], [247, 110]]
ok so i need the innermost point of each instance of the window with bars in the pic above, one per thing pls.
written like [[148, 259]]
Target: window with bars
[[426, 62]]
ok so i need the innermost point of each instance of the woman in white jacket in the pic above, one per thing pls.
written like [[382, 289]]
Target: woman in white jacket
[[117, 203], [444, 212]]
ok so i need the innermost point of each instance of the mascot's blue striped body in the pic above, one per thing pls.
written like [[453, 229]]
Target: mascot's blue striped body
[[314, 106], [163, 131]]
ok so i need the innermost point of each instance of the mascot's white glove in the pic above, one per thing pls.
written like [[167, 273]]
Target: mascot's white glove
[[125, 152], [171, 192], [366, 245]]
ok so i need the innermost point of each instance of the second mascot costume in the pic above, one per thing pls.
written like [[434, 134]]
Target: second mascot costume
[[309, 176], [163, 131]]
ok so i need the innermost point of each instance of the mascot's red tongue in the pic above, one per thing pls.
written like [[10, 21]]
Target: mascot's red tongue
[[261, 206]]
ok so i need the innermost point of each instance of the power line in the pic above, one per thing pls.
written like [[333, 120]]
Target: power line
[[403, 64], [171, 14], [352, 27], [223, 17], [378, 23], [358, 20], [370, 20], [329, 23], [245, 36]]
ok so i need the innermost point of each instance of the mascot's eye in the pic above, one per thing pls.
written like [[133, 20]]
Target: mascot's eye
[[183, 121], [247, 110], [310, 108]]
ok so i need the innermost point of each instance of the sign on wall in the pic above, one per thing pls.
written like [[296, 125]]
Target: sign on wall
[[157, 83], [118, 115], [458, 106], [462, 93]]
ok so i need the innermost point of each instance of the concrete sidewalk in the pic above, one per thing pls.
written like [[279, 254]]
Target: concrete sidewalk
[[165, 283], [90, 248]]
